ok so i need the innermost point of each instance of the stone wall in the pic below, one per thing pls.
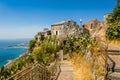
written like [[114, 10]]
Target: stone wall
[[93, 25], [64, 29], [105, 20]]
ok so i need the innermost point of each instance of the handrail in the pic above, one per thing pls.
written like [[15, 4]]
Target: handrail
[[55, 70], [20, 72], [111, 66], [29, 70], [58, 72], [40, 71], [113, 50]]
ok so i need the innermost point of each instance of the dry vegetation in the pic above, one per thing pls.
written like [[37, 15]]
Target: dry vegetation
[[88, 69], [101, 35], [82, 67], [114, 42]]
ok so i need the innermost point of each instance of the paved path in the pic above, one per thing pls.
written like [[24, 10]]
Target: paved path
[[67, 72]]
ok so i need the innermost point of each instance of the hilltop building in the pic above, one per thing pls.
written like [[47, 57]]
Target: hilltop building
[[45, 33], [105, 20], [93, 25], [105, 17], [59, 30], [65, 28]]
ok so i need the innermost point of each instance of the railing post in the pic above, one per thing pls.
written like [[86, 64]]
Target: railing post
[[61, 55]]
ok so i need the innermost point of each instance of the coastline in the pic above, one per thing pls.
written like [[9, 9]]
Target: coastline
[[10, 50], [14, 47], [11, 61], [18, 47]]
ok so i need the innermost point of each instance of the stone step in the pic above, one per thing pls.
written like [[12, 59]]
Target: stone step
[[68, 68], [117, 70], [113, 76], [67, 71]]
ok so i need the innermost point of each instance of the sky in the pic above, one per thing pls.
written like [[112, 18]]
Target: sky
[[24, 18]]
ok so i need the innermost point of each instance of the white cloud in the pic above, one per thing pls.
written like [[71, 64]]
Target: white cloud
[[19, 32]]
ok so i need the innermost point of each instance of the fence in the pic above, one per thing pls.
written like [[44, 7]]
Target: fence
[[33, 72], [39, 72], [113, 67]]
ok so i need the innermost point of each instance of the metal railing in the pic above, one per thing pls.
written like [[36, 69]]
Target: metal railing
[[33, 72], [111, 66], [38, 72], [54, 69]]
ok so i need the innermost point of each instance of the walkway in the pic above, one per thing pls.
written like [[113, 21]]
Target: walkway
[[67, 72]]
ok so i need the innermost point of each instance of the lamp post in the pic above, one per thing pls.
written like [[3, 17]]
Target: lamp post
[[81, 22]]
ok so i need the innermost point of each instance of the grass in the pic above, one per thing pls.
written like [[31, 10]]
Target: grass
[[82, 67], [101, 35], [114, 42], [86, 70]]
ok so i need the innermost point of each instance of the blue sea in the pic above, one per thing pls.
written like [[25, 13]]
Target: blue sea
[[11, 53]]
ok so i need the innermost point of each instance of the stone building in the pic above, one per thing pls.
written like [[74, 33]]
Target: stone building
[[106, 16], [59, 30], [105, 20], [93, 25], [40, 35], [46, 32], [65, 28]]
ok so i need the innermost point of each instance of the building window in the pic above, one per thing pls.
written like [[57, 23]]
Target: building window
[[48, 33], [56, 32], [91, 26]]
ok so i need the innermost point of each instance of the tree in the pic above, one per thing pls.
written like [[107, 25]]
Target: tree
[[78, 43], [113, 31], [31, 45]]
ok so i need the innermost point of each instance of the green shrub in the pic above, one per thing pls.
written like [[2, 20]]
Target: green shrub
[[31, 45], [113, 31]]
